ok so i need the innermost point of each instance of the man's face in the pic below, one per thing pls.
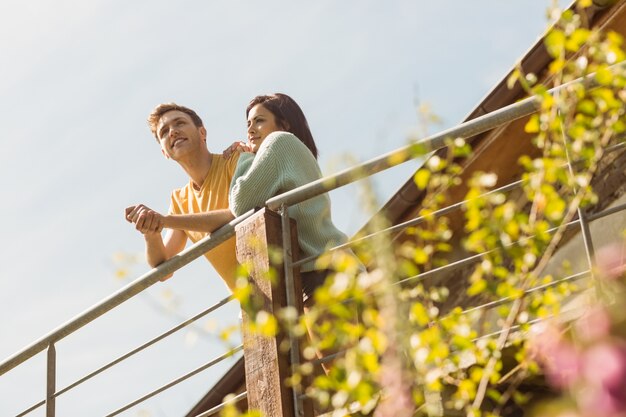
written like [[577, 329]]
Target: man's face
[[178, 134]]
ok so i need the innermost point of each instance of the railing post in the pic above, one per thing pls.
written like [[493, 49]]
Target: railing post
[[267, 363], [51, 385]]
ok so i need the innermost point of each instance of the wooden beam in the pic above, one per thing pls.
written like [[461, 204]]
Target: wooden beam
[[267, 363]]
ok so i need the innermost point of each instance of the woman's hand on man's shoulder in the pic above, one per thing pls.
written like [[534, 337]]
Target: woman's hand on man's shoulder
[[238, 146]]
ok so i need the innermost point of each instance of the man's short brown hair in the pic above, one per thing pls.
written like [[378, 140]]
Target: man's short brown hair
[[161, 109]]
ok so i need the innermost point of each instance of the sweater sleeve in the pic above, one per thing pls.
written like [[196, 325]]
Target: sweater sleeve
[[265, 176], [243, 165]]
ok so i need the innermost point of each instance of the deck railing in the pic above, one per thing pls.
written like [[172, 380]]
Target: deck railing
[[280, 204]]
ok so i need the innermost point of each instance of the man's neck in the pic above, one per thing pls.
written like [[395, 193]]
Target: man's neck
[[197, 168]]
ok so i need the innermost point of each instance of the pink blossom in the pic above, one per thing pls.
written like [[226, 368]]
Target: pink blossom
[[611, 261], [559, 358], [597, 402], [563, 367], [604, 371], [595, 324]]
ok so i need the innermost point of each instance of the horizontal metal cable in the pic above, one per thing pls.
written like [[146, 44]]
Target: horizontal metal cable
[[489, 305], [437, 213], [514, 327], [148, 279], [470, 259], [223, 405], [504, 300], [409, 223], [147, 344], [474, 258], [178, 380], [120, 359], [33, 408]]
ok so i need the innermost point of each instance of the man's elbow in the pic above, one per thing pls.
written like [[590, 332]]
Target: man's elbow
[[154, 263], [165, 278]]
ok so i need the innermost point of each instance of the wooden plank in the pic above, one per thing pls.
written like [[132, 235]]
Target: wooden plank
[[266, 364]]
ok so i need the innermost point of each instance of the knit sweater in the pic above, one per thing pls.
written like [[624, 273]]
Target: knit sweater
[[283, 163]]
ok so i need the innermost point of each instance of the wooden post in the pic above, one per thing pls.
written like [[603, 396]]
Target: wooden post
[[266, 361]]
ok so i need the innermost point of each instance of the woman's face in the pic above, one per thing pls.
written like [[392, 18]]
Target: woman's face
[[261, 122]]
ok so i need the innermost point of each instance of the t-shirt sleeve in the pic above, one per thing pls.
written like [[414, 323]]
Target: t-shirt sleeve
[[262, 179], [174, 203], [232, 162]]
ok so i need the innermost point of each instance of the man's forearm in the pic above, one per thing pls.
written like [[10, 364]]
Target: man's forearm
[[199, 222], [156, 253]]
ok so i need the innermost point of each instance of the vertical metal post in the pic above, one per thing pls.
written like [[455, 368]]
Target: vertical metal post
[[584, 225], [587, 240], [294, 347], [51, 381]]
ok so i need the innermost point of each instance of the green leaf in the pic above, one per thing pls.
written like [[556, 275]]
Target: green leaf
[[555, 43], [512, 79], [604, 76], [419, 314], [421, 178], [532, 126], [477, 287], [587, 107], [577, 39], [554, 209]]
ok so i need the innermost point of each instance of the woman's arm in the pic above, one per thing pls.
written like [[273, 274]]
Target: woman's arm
[[282, 163], [258, 177]]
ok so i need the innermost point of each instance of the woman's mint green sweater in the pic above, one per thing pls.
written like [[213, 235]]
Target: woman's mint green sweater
[[283, 163]]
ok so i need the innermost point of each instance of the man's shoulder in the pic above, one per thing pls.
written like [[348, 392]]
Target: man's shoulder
[[218, 158], [182, 192], [226, 165]]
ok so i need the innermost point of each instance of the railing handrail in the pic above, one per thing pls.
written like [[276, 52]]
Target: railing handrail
[[143, 282], [431, 143]]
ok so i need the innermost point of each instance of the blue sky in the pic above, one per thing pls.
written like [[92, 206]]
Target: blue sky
[[78, 80]]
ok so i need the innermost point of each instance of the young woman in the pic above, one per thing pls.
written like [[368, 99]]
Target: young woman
[[285, 157]]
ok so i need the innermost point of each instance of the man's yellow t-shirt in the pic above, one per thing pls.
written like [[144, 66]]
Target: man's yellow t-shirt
[[213, 195]]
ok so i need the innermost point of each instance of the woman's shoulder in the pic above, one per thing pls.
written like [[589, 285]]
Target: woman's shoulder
[[282, 140], [243, 163], [245, 157]]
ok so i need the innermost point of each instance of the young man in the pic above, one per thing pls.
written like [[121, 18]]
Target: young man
[[182, 137]]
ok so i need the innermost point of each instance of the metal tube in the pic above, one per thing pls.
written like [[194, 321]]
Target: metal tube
[[504, 300], [411, 222], [294, 347], [177, 380], [148, 279], [606, 212], [587, 239], [462, 262], [51, 373], [464, 130], [33, 408], [223, 405], [514, 327], [146, 345]]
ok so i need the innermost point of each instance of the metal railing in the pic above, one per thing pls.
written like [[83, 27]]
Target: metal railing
[[465, 130], [145, 281], [281, 203]]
